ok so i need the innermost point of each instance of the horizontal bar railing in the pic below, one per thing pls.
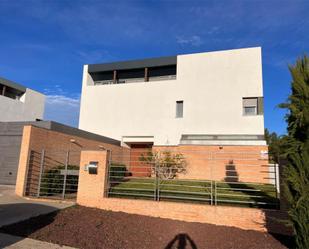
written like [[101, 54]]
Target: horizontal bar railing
[[224, 178], [257, 195], [153, 186], [53, 174], [139, 174]]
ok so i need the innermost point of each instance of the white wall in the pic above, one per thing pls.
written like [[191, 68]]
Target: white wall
[[211, 85], [28, 108]]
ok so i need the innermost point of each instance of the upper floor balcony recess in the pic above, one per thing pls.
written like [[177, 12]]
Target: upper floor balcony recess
[[157, 69], [10, 89]]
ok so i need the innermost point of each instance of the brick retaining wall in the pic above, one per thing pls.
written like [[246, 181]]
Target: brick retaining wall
[[91, 194]]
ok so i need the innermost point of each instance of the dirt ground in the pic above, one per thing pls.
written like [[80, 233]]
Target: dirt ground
[[93, 228]]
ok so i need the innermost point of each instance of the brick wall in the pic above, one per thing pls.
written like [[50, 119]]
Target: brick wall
[[208, 162], [55, 144], [56, 141], [91, 194], [244, 218], [215, 162], [92, 186]]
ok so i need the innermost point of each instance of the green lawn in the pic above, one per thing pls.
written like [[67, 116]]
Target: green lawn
[[253, 195], [247, 194]]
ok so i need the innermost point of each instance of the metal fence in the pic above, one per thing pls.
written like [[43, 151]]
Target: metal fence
[[123, 184], [196, 176], [53, 174], [226, 178]]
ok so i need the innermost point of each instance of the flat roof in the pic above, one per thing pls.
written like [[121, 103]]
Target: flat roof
[[150, 62], [12, 84], [17, 128], [133, 64]]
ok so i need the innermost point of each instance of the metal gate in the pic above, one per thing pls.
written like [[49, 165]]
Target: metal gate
[[53, 174]]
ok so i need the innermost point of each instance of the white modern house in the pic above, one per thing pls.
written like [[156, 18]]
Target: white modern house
[[212, 98], [18, 103]]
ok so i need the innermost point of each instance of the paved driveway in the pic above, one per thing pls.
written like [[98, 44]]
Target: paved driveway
[[14, 209], [14, 242]]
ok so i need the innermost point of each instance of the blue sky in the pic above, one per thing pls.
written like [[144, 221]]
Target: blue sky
[[45, 43]]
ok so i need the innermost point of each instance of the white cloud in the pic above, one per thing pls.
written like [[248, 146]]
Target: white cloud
[[61, 106], [62, 109], [62, 100], [194, 40]]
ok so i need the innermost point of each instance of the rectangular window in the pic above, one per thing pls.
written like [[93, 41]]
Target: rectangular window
[[249, 110], [250, 106], [179, 109]]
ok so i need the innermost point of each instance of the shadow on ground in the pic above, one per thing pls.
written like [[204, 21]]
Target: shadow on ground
[[181, 241], [12, 214]]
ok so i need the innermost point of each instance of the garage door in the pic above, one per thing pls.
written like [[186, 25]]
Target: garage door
[[9, 157]]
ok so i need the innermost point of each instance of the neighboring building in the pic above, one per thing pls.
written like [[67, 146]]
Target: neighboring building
[[18, 103], [213, 98]]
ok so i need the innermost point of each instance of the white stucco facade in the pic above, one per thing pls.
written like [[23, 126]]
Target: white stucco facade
[[211, 86], [29, 107]]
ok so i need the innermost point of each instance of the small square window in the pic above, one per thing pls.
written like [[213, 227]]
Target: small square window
[[179, 109]]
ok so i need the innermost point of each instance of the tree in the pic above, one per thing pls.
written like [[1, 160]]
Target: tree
[[165, 165], [296, 191], [277, 145], [296, 171], [274, 145], [298, 102]]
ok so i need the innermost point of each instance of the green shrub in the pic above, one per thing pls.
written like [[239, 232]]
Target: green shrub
[[117, 172], [52, 181]]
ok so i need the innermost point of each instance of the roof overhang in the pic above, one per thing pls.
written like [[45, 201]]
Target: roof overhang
[[12, 84], [137, 139], [133, 64]]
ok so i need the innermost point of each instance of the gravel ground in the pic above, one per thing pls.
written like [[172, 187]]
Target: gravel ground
[[93, 228]]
